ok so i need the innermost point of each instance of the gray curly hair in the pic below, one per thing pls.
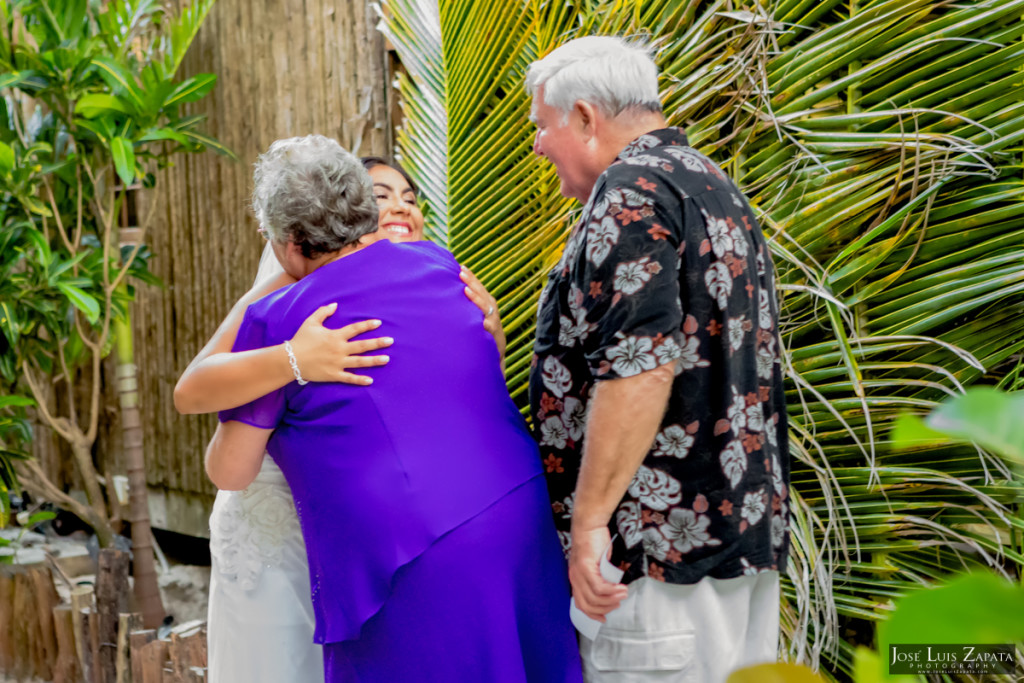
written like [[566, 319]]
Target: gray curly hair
[[310, 191]]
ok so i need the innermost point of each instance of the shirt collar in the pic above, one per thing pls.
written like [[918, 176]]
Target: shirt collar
[[663, 137]]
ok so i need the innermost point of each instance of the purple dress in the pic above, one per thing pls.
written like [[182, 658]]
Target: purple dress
[[432, 551]]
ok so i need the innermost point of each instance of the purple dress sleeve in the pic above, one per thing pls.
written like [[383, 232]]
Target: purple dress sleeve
[[266, 411]]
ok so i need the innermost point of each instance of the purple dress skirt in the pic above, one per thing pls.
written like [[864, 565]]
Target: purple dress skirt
[[432, 550]]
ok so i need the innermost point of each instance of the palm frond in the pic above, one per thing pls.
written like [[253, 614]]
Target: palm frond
[[414, 29]]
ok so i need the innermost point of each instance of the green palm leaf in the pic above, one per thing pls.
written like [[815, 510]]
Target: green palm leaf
[[414, 28]]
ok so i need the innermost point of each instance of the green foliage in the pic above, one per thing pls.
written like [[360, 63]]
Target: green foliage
[[879, 141], [90, 105], [973, 609], [774, 673], [15, 433], [991, 418]]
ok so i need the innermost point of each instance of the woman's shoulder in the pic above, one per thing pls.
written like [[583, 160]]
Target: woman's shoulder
[[424, 252], [427, 247]]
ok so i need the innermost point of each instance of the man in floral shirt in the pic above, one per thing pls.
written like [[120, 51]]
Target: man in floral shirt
[[656, 390]]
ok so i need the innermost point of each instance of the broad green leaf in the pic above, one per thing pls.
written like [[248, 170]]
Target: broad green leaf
[[100, 127], [193, 89], [121, 80], [6, 158], [12, 79], [16, 402], [207, 142], [36, 206], [9, 323], [124, 159], [40, 517], [868, 667], [5, 511], [984, 415], [84, 302], [14, 455], [38, 241], [94, 104], [978, 608], [164, 134]]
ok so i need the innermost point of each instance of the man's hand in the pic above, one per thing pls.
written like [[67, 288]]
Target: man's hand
[[594, 595], [326, 355]]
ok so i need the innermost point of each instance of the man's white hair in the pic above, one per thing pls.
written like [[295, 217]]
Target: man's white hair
[[607, 71]]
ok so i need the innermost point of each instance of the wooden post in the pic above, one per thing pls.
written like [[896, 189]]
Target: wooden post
[[81, 606], [90, 621], [24, 647], [111, 601], [151, 660], [179, 658], [46, 598], [127, 624], [7, 619], [66, 669], [138, 640], [188, 651]]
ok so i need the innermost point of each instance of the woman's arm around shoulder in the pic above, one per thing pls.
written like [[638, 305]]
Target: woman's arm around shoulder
[[488, 305], [218, 379]]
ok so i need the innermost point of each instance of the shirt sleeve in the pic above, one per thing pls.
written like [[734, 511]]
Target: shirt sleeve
[[266, 411], [628, 285]]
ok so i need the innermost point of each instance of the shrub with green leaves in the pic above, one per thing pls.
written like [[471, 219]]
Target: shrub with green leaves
[[90, 108]]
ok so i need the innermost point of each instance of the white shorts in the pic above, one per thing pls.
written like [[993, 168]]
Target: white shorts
[[697, 633]]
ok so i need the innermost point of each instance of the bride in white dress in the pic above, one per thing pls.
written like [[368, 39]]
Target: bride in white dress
[[260, 623], [260, 620]]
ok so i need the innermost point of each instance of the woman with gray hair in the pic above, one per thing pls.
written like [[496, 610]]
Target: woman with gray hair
[[421, 499], [259, 583]]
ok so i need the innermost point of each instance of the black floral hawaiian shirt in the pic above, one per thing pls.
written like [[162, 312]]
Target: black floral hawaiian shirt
[[668, 264]]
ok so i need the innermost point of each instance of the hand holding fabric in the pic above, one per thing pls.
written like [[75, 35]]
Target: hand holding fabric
[[488, 305], [326, 355]]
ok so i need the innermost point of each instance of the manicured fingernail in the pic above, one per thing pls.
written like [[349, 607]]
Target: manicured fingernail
[[388, 340]]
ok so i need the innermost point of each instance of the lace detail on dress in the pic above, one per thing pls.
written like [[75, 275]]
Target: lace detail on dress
[[250, 529]]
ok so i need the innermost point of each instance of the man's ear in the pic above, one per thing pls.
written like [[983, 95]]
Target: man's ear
[[588, 118]]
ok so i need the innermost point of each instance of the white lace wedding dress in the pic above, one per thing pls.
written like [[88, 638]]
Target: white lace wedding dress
[[260, 626]]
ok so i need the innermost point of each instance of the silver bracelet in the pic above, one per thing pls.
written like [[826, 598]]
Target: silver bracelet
[[294, 363]]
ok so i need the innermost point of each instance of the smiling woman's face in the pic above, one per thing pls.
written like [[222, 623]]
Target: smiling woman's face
[[400, 217]]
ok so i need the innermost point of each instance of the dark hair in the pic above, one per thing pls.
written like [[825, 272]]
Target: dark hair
[[372, 162]]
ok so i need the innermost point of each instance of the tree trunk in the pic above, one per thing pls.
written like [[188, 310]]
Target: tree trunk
[[147, 591]]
